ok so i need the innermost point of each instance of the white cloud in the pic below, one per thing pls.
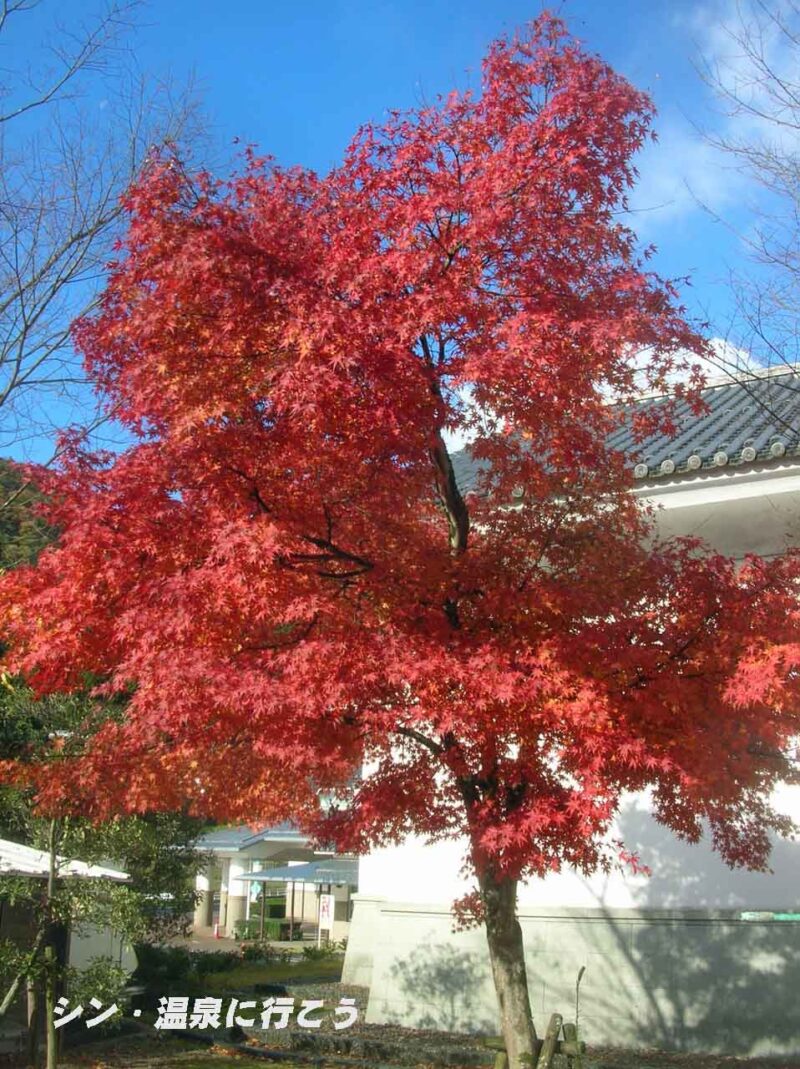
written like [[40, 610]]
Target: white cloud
[[725, 362], [749, 51], [749, 54], [679, 174], [728, 360], [751, 66]]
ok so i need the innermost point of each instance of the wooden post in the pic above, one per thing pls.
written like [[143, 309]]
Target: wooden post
[[569, 1047], [550, 1042], [263, 909], [570, 1042], [291, 916]]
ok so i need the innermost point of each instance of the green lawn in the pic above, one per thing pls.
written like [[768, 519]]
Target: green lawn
[[244, 976]]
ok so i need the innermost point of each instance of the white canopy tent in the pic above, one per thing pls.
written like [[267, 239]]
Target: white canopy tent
[[19, 860]]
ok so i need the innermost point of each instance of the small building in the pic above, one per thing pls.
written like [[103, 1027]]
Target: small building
[[318, 892], [244, 866], [84, 943], [18, 925]]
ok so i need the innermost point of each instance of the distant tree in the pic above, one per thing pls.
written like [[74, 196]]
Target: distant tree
[[755, 74], [282, 575], [157, 850], [77, 120], [23, 532]]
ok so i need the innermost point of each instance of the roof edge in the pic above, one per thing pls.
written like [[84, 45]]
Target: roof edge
[[724, 378]]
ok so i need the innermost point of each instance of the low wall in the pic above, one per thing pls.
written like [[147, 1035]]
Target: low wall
[[363, 939], [677, 979]]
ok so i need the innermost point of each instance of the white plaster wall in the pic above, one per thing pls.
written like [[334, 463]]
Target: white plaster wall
[[735, 512], [90, 942], [367, 930], [683, 876], [679, 980]]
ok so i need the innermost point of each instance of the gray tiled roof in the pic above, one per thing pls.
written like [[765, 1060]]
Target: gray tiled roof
[[240, 837], [754, 421], [746, 422], [466, 469], [285, 832]]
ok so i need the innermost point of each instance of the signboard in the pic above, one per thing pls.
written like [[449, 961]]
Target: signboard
[[326, 907], [757, 915]]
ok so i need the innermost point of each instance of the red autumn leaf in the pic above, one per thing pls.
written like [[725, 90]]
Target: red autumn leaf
[[282, 570]]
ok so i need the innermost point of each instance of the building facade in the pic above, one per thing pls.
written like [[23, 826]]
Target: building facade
[[227, 894], [693, 957]]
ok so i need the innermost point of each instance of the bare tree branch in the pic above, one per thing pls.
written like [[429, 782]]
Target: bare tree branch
[[75, 128], [755, 75]]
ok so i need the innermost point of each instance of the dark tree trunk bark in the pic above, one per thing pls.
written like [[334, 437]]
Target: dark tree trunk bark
[[50, 980], [504, 935], [33, 1021]]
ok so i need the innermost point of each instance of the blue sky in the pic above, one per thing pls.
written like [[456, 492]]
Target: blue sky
[[298, 79]]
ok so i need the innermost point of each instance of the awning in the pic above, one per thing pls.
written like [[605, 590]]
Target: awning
[[243, 836], [334, 870], [19, 860]]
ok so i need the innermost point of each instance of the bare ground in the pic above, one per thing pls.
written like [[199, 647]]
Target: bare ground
[[393, 1044], [366, 1045]]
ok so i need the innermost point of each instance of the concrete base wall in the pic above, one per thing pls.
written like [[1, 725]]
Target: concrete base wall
[[363, 940], [687, 980]]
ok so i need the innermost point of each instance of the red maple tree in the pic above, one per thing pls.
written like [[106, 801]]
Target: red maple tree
[[282, 572]]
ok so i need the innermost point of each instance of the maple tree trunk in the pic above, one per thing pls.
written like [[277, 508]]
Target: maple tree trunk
[[504, 936]]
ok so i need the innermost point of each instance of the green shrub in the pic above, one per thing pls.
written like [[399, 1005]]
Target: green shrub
[[275, 930], [320, 953], [176, 970], [208, 961], [102, 979], [246, 929], [162, 968], [259, 950]]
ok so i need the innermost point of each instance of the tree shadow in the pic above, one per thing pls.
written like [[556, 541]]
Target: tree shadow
[[443, 987], [688, 973]]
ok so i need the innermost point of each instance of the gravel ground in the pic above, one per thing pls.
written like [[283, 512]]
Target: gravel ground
[[379, 1044]]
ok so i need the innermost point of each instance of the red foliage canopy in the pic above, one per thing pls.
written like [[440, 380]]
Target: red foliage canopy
[[282, 571]]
